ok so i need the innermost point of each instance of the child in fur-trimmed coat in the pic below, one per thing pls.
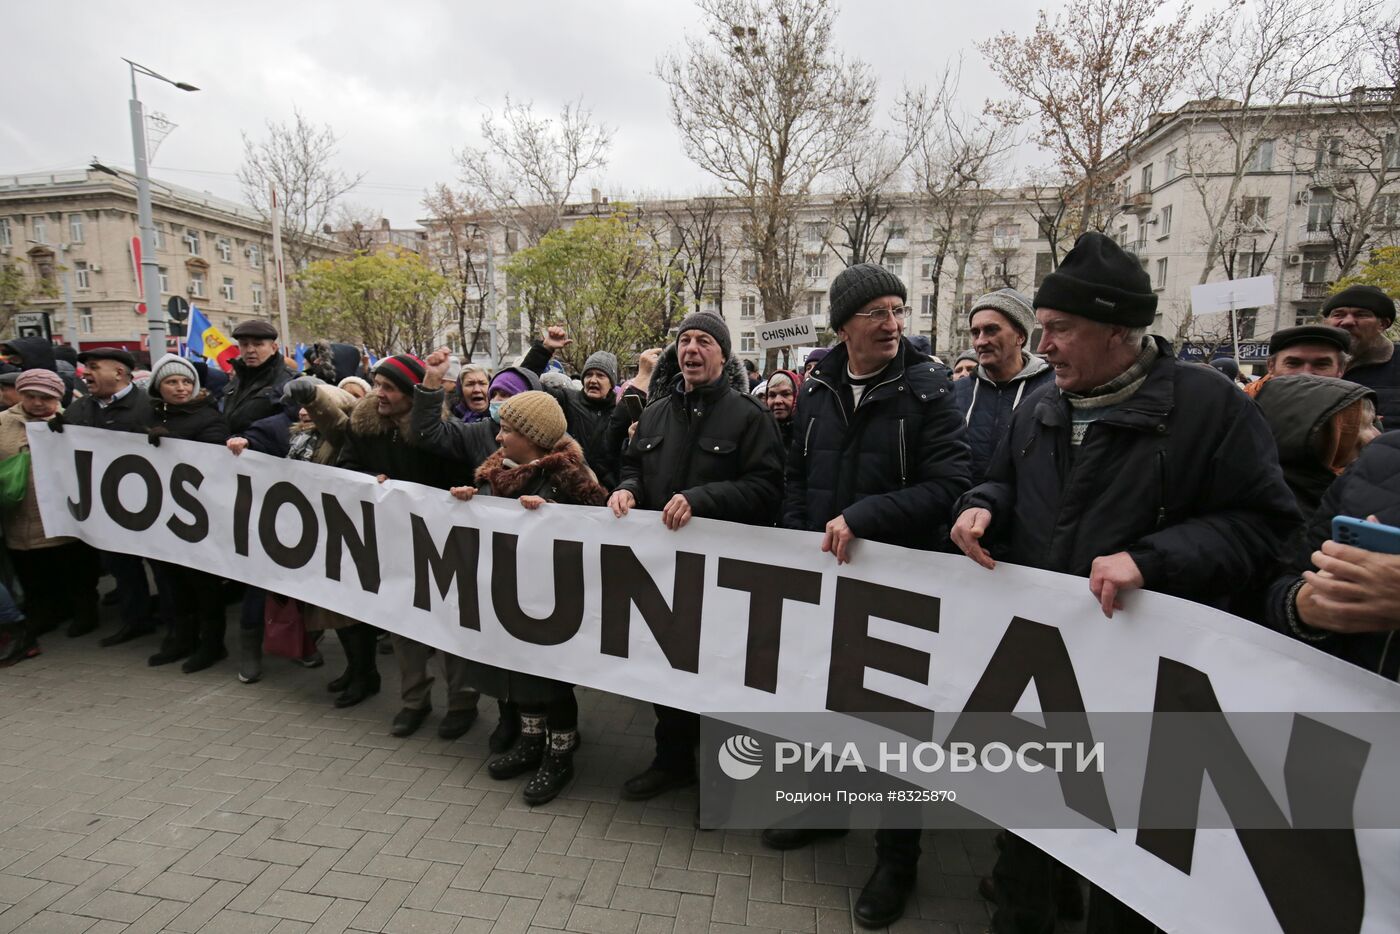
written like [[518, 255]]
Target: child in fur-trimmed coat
[[537, 463]]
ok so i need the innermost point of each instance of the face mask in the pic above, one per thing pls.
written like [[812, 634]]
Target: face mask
[[496, 411]]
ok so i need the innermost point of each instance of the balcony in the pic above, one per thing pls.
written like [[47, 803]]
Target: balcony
[[1328, 176], [1313, 291], [1137, 246], [897, 244], [1315, 232], [1139, 203]]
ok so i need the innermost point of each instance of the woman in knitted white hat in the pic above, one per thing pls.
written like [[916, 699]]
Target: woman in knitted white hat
[[537, 463]]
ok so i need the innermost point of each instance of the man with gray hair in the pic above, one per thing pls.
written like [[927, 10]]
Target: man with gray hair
[[1001, 323], [1134, 470]]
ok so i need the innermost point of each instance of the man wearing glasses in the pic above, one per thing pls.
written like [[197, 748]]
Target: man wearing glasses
[[877, 453], [1365, 312]]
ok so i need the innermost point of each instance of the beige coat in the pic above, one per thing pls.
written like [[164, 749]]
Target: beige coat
[[24, 530]]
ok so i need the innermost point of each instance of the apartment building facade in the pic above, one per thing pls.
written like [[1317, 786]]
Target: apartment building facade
[[79, 226]]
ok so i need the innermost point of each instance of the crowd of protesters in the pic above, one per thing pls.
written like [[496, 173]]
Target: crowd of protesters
[[1067, 438]]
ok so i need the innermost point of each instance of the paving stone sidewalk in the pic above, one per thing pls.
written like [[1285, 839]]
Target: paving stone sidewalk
[[141, 799]]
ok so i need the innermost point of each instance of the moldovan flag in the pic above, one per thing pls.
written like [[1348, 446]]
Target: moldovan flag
[[209, 342]]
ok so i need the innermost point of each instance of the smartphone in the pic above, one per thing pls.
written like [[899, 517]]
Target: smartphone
[[634, 404], [1372, 536]]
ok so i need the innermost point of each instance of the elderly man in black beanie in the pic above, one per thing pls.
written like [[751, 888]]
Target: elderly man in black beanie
[[877, 453], [705, 449], [1134, 471], [1365, 312]]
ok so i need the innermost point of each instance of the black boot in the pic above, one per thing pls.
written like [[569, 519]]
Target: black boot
[[361, 668], [525, 755], [881, 902], [250, 655], [210, 649], [172, 649], [555, 771], [507, 728]]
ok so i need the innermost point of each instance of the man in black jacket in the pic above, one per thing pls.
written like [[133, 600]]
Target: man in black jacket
[[589, 411], [877, 453], [1365, 312], [704, 450], [112, 402], [259, 373], [1134, 470]]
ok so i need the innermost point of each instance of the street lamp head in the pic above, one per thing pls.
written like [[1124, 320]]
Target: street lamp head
[[185, 87], [98, 166]]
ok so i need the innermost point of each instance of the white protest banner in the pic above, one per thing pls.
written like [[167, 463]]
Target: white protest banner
[[721, 617], [792, 332]]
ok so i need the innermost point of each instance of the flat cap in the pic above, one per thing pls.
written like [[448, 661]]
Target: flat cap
[[1310, 334], [109, 353], [255, 329]]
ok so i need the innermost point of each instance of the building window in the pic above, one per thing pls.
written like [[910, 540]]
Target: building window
[[1387, 211], [815, 267], [226, 290], [225, 248], [898, 231], [1314, 266], [1169, 166], [1164, 225], [1254, 212], [85, 320], [748, 306], [75, 228], [1147, 177], [41, 229], [6, 237], [197, 283], [80, 276], [257, 299], [747, 342], [895, 264], [164, 279], [159, 235], [1249, 264], [1329, 153], [814, 303], [749, 270], [1262, 160], [1162, 273], [926, 268], [812, 233], [1044, 265], [1320, 210], [192, 241], [928, 305], [254, 256], [1391, 150], [712, 304]]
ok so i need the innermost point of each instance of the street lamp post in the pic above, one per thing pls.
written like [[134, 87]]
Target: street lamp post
[[156, 326]]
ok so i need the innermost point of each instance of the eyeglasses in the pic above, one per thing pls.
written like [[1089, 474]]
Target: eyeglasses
[[881, 315]]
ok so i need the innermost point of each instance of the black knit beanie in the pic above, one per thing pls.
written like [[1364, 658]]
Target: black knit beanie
[[1363, 296], [1100, 281], [859, 285], [403, 370], [711, 324]]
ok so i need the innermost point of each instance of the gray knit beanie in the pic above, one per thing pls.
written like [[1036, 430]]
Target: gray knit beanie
[[171, 365], [1011, 303], [859, 285], [604, 361], [711, 324]]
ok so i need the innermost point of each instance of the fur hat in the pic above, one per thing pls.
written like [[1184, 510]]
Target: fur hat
[[171, 365], [1101, 281], [859, 285], [537, 416], [711, 324]]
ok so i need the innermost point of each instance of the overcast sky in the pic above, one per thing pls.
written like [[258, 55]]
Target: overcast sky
[[404, 85]]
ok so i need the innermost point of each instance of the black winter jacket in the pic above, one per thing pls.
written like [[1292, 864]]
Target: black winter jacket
[[1370, 487], [378, 445], [254, 392], [1384, 378], [892, 467], [467, 444], [132, 412], [715, 445], [1183, 476], [986, 407], [196, 420], [271, 435], [587, 419]]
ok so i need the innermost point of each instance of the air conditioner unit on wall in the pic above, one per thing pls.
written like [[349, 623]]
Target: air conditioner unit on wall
[[94, 268], [1295, 259]]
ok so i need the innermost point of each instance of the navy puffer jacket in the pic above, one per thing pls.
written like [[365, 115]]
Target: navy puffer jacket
[[986, 407], [892, 466]]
